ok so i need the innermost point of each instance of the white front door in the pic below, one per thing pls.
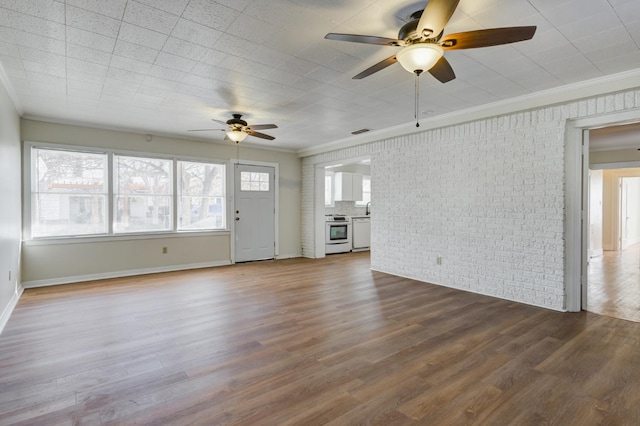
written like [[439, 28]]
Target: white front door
[[254, 214]]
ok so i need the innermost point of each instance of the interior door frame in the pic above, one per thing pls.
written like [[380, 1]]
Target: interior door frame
[[576, 227], [319, 222], [231, 176], [622, 214], [623, 200]]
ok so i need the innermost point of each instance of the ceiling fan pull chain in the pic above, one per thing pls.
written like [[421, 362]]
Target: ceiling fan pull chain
[[417, 104]]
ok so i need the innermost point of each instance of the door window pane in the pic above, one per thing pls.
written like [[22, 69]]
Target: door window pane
[[254, 181]]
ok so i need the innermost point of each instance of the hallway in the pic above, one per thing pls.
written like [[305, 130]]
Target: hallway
[[614, 284]]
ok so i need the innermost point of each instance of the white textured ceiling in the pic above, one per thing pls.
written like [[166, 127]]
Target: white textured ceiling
[[167, 66]]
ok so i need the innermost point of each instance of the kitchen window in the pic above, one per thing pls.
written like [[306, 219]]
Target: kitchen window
[[366, 191], [329, 198]]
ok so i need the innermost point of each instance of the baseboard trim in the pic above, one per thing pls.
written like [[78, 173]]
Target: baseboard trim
[[471, 291], [4, 318], [119, 274], [287, 256], [595, 253]]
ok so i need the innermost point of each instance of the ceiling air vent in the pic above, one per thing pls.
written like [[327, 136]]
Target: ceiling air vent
[[357, 132]]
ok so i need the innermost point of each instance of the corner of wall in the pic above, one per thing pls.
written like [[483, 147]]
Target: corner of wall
[[8, 310]]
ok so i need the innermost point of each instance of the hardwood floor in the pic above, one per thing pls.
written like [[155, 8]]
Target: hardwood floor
[[613, 287], [308, 342]]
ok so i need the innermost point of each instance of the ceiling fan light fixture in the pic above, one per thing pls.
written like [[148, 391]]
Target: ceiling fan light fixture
[[236, 135], [419, 56]]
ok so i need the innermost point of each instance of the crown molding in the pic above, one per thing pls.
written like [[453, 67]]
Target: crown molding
[[563, 94], [6, 83], [139, 131]]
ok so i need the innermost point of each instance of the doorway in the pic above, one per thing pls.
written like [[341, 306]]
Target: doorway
[[629, 211], [613, 271], [343, 188], [254, 214]]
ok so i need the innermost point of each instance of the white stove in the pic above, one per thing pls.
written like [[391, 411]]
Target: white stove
[[338, 234], [337, 218]]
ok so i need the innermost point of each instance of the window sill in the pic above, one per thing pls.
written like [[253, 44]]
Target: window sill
[[126, 237]]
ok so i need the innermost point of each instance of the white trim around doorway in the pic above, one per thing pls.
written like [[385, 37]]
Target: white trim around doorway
[[576, 202]]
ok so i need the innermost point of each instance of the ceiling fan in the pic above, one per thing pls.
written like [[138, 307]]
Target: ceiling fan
[[423, 43], [238, 129]]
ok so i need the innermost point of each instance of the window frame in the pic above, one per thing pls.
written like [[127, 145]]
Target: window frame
[[178, 195], [363, 203], [29, 192], [331, 176], [114, 196], [110, 208]]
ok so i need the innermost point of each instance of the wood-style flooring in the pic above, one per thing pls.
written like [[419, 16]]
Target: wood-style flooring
[[613, 287], [308, 342]]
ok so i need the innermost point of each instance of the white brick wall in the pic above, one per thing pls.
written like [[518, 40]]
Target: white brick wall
[[486, 196]]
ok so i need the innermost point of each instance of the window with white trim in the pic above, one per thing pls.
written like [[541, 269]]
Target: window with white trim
[[201, 189], [73, 192], [329, 197], [366, 191], [68, 193], [142, 194]]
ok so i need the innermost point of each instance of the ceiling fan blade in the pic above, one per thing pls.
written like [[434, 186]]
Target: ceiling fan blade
[[435, 16], [485, 38], [262, 126], [442, 70], [259, 135], [203, 130], [377, 67], [355, 38]]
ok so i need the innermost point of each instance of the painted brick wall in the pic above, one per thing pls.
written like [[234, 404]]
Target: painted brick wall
[[486, 196], [307, 209]]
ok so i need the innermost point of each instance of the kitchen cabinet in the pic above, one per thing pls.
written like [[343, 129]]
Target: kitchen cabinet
[[348, 186]]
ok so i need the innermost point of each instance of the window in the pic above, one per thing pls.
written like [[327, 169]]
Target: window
[[142, 194], [201, 189], [76, 193], [366, 191], [68, 193], [328, 190], [252, 181]]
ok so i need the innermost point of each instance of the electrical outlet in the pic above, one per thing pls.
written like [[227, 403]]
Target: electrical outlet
[[165, 250], [439, 260]]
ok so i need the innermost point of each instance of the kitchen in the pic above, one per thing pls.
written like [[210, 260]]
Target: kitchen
[[348, 207]]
